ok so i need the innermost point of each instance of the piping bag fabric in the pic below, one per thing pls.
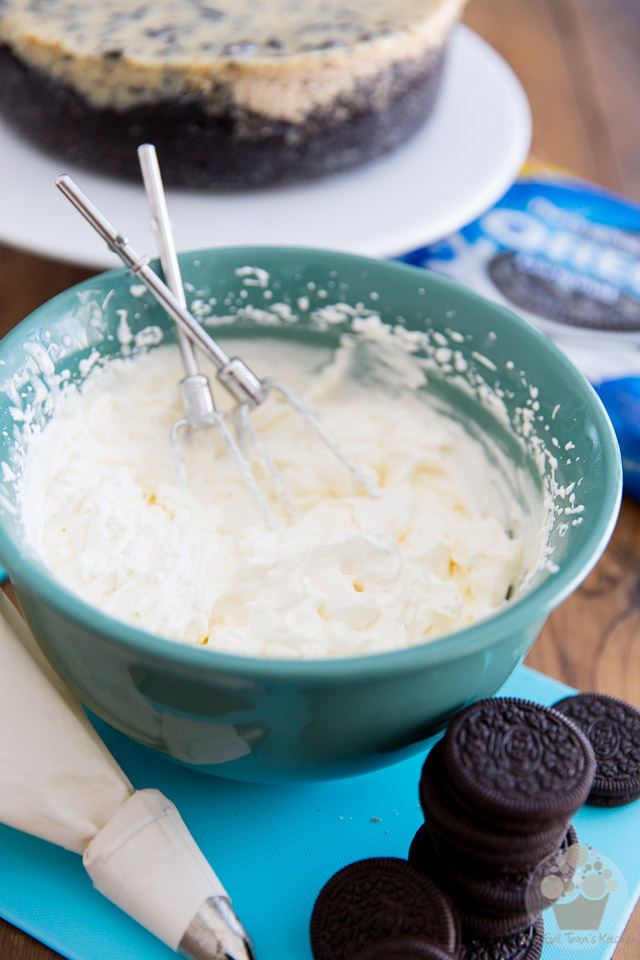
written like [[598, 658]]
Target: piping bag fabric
[[59, 782]]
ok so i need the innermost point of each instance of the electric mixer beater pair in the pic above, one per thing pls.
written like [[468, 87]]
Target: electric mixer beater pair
[[242, 441]]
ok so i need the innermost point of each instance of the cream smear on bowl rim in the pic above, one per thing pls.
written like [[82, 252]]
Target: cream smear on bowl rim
[[335, 582]]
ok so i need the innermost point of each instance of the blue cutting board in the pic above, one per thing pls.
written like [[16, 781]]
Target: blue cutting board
[[274, 847]]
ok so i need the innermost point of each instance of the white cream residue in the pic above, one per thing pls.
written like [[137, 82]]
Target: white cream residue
[[441, 547]]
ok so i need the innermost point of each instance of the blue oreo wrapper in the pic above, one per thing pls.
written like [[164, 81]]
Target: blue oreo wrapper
[[565, 255], [622, 401]]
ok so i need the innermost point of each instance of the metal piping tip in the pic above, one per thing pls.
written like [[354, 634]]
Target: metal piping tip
[[215, 933]]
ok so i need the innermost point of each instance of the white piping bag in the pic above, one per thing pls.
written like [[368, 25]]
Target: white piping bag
[[58, 781]]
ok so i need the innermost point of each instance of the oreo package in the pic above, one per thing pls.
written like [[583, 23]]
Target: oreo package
[[565, 255]]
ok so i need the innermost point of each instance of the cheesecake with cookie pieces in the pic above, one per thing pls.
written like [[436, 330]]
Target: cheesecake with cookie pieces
[[232, 94]]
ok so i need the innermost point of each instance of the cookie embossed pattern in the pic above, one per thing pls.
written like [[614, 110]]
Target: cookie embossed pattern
[[613, 728], [519, 761], [372, 901]]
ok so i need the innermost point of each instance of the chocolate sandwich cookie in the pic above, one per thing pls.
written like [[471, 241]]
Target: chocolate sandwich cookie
[[571, 838], [526, 945], [478, 923], [518, 760], [517, 828], [377, 900], [403, 950], [558, 293], [478, 919], [596, 801], [421, 849], [436, 773], [479, 861], [613, 729], [467, 838], [512, 893]]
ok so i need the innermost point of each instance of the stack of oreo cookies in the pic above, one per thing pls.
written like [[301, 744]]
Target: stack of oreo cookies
[[498, 793]]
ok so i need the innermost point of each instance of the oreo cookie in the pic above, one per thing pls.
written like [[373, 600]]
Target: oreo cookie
[[491, 906], [516, 828], [544, 765], [468, 838], [511, 893], [613, 729], [380, 900], [403, 950], [421, 852], [519, 761], [504, 758], [553, 291], [478, 923], [595, 801], [476, 918], [525, 945]]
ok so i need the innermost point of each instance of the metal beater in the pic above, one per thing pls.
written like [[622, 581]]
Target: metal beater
[[244, 386], [197, 399]]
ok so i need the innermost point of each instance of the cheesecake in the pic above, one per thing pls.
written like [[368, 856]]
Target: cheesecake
[[232, 93]]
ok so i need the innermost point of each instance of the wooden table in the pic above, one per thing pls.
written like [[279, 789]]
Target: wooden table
[[580, 67]]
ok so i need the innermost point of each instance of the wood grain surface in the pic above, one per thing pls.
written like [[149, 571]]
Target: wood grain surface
[[580, 67]]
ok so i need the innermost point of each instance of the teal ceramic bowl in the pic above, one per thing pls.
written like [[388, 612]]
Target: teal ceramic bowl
[[277, 720]]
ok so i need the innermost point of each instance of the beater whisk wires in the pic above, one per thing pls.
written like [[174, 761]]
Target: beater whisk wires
[[244, 386]]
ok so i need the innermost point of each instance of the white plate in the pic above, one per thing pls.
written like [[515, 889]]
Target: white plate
[[462, 161]]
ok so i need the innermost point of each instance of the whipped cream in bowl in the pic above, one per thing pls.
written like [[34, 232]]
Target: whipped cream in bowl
[[442, 544], [344, 634]]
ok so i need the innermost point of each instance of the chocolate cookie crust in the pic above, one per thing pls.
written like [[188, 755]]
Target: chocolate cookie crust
[[237, 148]]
